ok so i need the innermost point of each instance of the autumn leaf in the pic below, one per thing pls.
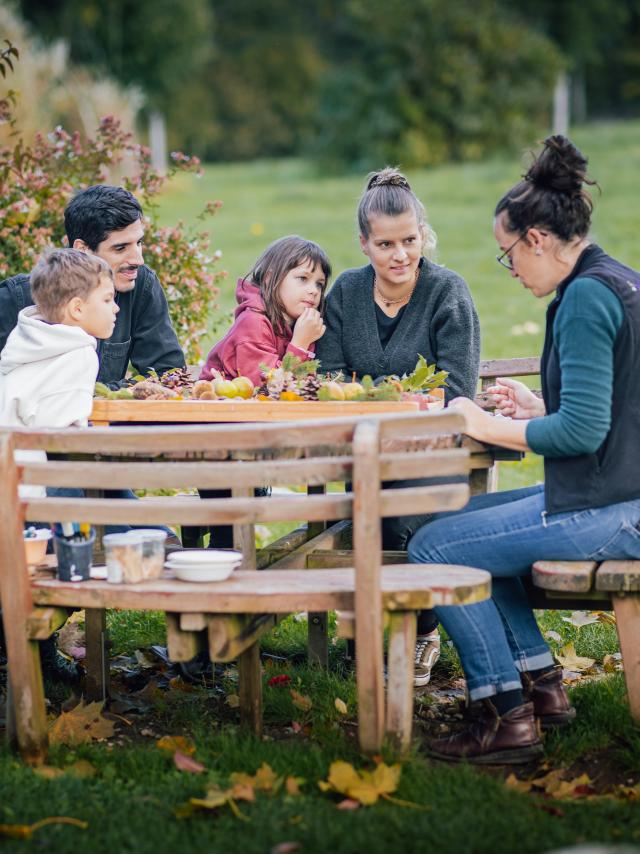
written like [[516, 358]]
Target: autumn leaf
[[348, 805], [554, 636], [580, 619], [366, 787], [512, 782], [26, 831], [571, 661], [554, 785], [292, 785], [233, 701], [173, 743], [265, 779], [340, 705], [285, 848], [301, 701], [187, 763], [82, 724]]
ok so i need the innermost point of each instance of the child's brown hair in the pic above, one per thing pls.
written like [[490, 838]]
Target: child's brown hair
[[62, 274], [272, 266]]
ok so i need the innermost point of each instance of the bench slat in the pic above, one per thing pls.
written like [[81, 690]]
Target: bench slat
[[619, 576], [564, 575], [405, 587]]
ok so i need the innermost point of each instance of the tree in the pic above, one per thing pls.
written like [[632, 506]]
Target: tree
[[434, 80]]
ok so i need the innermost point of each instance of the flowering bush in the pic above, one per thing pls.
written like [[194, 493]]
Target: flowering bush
[[37, 180]]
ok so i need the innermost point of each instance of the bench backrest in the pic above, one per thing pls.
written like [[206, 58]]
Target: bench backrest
[[239, 457]]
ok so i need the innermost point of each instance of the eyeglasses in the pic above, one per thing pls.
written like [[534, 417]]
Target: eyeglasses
[[504, 259]]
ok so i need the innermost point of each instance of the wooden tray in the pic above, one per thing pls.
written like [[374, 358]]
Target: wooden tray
[[204, 411]]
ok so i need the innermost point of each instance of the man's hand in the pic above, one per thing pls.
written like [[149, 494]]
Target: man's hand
[[308, 328], [515, 400]]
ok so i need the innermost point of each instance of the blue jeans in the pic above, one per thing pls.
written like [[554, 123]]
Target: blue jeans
[[76, 492], [505, 533]]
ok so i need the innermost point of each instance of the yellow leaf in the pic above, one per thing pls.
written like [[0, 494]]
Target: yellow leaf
[[341, 706], [233, 701], [81, 725], [242, 792], [301, 701], [386, 778], [213, 799], [173, 743], [568, 659], [265, 779], [48, 772], [512, 782], [26, 831], [363, 786], [292, 785]]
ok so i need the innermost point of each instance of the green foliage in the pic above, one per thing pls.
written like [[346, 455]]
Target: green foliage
[[432, 81], [37, 179], [424, 377]]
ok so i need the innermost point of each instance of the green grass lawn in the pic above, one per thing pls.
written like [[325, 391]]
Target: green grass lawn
[[130, 800]]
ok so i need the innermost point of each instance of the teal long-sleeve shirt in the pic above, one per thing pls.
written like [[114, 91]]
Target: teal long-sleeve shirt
[[585, 328]]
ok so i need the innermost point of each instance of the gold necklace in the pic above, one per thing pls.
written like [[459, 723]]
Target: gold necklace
[[389, 302]]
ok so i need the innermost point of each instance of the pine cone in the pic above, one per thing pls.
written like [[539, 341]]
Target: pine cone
[[308, 387], [177, 378]]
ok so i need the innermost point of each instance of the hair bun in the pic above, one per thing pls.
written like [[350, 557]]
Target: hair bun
[[387, 177], [560, 167]]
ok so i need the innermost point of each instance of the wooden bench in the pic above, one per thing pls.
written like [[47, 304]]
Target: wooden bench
[[229, 617]]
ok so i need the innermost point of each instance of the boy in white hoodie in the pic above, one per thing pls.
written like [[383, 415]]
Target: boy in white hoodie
[[49, 365]]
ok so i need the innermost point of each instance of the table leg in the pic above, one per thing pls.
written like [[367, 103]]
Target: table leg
[[97, 644]]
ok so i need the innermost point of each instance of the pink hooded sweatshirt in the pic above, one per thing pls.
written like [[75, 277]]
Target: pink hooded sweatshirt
[[251, 341]]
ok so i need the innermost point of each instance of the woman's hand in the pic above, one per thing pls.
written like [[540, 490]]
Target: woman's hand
[[515, 400], [308, 328], [478, 421]]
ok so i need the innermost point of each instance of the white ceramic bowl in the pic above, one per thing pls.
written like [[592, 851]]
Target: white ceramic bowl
[[201, 572], [201, 557]]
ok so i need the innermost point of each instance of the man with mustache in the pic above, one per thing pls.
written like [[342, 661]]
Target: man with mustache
[[107, 221]]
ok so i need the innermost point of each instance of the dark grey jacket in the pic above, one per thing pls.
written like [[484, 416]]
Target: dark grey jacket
[[440, 322], [143, 334]]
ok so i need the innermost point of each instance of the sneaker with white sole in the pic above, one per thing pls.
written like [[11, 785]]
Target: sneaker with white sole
[[427, 653]]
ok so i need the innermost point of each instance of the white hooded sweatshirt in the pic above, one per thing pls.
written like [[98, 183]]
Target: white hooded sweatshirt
[[47, 377]]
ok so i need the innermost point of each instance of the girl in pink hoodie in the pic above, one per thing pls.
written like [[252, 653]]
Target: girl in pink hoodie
[[279, 311]]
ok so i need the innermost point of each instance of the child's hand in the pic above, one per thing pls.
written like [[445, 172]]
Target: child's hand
[[308, 328]]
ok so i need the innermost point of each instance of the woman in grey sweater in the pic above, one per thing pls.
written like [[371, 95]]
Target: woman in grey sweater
[[380, 317]]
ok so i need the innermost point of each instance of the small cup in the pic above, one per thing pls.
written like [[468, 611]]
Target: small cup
[[123, 556], [74, 557], [153, 540]]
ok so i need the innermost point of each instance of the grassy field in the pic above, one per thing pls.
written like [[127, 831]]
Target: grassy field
[[132, 789], [265, 200]]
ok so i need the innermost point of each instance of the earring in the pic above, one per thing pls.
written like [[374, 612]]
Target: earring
[[538, 251]]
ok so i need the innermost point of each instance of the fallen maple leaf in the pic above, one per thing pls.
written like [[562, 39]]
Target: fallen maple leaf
[[519, 785], [341, 706], [552, 635], [580, 619], [556, 786], [279, 681], [571, 661], [173, 743], [301, 701], [265, 779], [82, 724], [187, 763], [362, 786]]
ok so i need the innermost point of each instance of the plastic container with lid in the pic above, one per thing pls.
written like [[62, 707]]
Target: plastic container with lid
[[153, 540], [123, 556]]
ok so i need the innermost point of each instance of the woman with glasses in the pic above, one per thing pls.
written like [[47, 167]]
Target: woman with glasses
[[586, 426], [381, 316]]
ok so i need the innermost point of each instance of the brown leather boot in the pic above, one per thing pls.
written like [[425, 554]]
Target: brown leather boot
[[551, 704], [493, 740]]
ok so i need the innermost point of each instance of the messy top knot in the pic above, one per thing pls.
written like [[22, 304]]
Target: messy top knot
[[551, 194], [388, 193]]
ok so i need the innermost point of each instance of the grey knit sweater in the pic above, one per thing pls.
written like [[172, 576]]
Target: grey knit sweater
[[440, 322]]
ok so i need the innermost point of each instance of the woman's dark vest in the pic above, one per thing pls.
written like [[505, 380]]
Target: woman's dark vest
[[612, 474]]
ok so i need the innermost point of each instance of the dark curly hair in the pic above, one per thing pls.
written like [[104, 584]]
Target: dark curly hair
[[551, 194]]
